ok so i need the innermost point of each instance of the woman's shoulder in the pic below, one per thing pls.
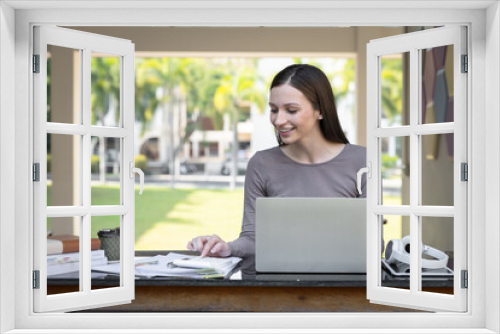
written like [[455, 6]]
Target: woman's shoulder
[[357, 149], [267, 153], [356, 152], [266, 156]]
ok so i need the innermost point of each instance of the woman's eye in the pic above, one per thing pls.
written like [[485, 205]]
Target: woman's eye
[[292, 111], [274, 111]]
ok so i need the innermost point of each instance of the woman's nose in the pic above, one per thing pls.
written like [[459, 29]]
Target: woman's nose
[[280, 118]]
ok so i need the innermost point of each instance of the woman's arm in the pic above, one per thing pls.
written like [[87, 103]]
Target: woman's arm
[[244, 246], [255, 186]]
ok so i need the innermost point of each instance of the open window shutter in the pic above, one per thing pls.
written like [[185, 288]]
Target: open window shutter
[[70, 166], [436, 77]]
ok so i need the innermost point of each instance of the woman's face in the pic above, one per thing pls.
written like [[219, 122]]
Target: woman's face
[[293, 115]]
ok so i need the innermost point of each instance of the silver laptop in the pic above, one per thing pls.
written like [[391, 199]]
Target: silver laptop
[[310, 235]]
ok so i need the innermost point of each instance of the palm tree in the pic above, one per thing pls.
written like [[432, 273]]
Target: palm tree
[[236, 87], [392, 89], [347, 76], [173, 84], [342, 84], [105, 92], [157, 84], [146, 87]]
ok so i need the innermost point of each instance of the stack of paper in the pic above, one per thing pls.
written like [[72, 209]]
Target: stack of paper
[[70, 262], [162, 265]]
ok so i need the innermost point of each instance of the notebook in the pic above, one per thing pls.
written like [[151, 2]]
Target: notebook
[[310, 235]]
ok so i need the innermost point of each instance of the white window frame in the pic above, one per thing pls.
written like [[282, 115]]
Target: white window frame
[[86, 43], [414, 43], [484, 104]]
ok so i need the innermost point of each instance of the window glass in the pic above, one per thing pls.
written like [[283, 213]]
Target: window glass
[[105, 170], [395, 266], [437, 234], [437, 85], [105, 250], [395, 170], [105, 89], [63, 100], [63, 255], [64, 170], [437, 170], [393, 83]]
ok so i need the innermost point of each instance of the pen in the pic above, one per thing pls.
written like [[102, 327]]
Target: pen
[[146, 263]]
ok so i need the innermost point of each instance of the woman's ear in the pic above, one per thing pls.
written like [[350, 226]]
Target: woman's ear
[[318, 113]]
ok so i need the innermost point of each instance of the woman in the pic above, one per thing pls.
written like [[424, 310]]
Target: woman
[[313, 159]]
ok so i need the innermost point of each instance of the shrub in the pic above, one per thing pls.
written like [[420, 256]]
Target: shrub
[[94, 164], [48, 163], [141, 162], [388, 162]]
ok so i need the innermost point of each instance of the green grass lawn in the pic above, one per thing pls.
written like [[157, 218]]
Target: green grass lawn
[[168, 218]]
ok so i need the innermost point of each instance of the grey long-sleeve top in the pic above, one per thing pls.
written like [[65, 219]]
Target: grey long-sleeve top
[[271, 173]]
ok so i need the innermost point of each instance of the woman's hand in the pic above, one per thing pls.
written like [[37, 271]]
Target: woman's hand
[[210, 245]]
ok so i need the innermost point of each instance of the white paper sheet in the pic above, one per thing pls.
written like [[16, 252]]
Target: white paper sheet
[[158, 266]]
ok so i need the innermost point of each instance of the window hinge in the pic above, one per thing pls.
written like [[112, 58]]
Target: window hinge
[[465, 64], [36, 172], [36, 63], [465, 279], [36, 279], [464, 171]]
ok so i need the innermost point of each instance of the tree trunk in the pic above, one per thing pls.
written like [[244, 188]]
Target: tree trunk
[[102, 160], [234, 170]]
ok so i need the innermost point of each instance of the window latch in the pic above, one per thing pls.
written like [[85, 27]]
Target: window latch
[[368, 171], [134, 170]]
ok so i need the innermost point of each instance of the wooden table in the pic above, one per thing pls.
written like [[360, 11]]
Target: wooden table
[[335, 293]]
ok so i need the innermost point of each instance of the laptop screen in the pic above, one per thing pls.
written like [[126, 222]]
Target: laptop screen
[[310, 235]]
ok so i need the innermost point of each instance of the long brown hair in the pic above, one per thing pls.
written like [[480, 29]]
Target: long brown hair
[[315, 86]]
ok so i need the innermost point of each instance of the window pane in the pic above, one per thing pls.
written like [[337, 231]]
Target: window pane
[[63, 85], [437, 85], [63, 170], [63, 255], [105, 236], [105, 169], [437, 170], [437, 233], [395, 270], [393, 90], [105, 89], [394, 170]]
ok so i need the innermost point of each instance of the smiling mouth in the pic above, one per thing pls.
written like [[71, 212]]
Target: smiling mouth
[[285, 131]]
